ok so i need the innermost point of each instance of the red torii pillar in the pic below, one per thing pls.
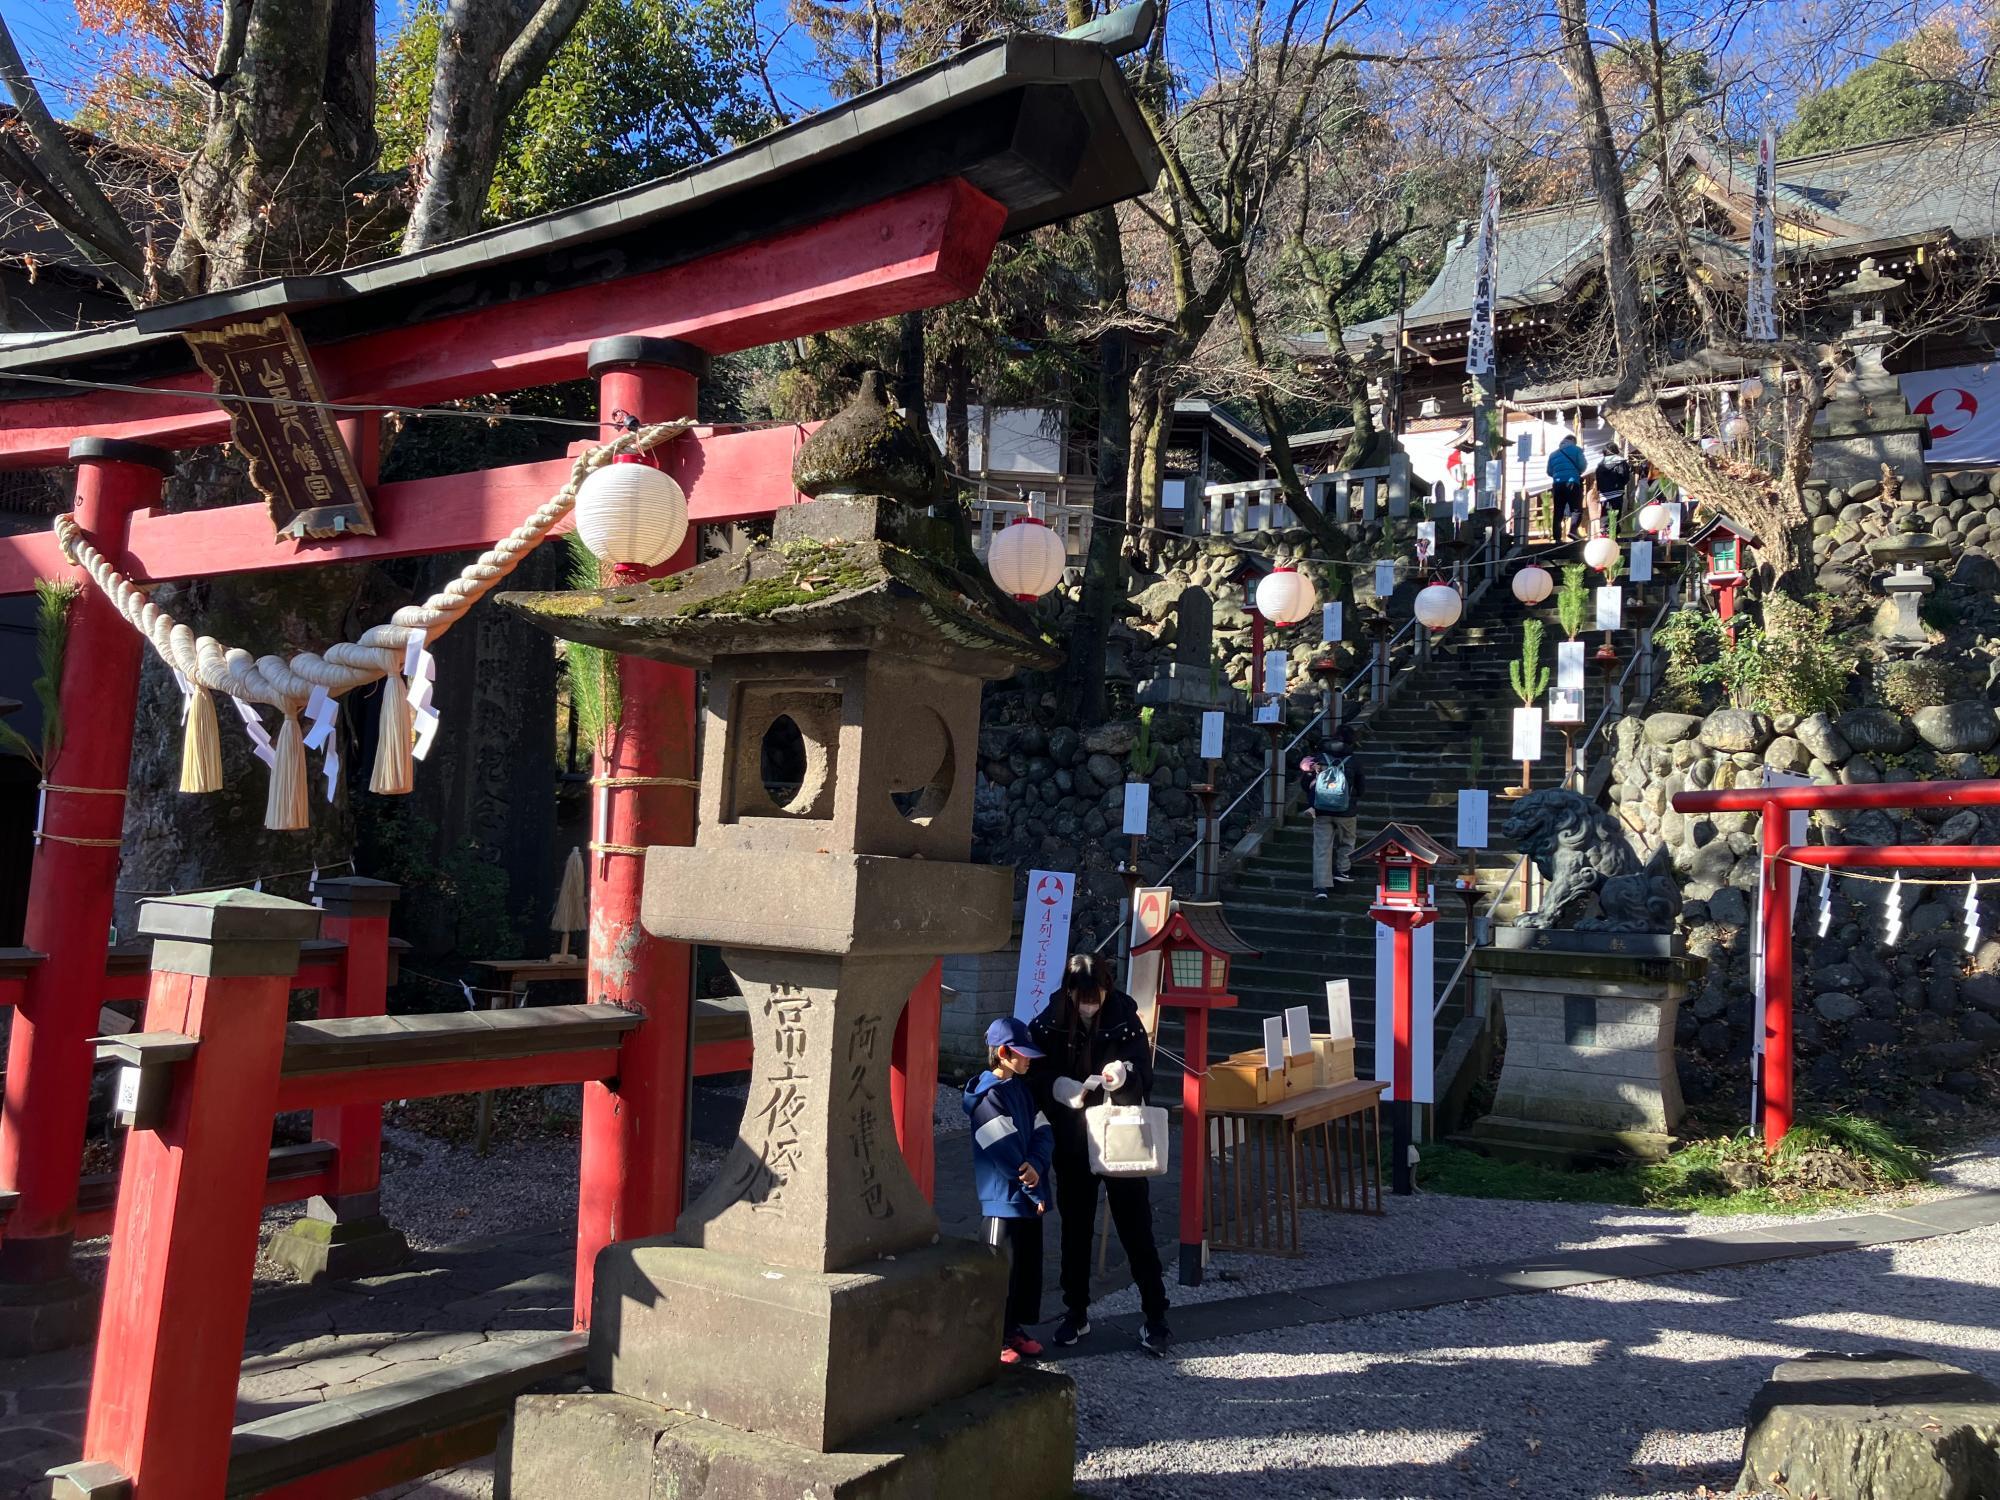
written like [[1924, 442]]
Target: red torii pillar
[[72, 889]]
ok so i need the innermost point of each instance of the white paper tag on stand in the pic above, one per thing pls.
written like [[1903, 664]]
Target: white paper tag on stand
[[1641, 564], [1339, 1009], [1275, 663], [1138, 796], [1569, 664], [1610, 607], [1274, 1044], [1298, 1030], [1385, 578], [1527, 734], [1329, 626], [1472, 813], [1211, 734]]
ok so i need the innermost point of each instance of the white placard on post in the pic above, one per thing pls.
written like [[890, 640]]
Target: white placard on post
[[1339, 1010], [1527, 734], [1385, 578], [1610, 607], [1268, 713], [1472, 810], [1275, 663], [1566, 706], [1211, 734], [1329, 624], [1524, 447], [1569, 664], [1298, 1030], [1044, 940], [1274, 1044], [1461, 507], [1138, 795], [1641, 565]]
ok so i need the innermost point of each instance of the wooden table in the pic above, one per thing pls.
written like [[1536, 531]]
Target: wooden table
[[1322, 1147]]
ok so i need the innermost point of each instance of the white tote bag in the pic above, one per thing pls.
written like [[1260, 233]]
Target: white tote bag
[[1127, 1140]]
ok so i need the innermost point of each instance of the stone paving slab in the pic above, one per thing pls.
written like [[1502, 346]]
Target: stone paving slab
[[1416, 1290]]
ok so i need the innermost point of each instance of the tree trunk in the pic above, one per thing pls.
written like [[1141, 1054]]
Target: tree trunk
[[958, 413], [268, 191], [910, 365], [1103, 571]]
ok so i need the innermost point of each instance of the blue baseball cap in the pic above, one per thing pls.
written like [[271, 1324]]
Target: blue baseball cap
[[1013, 1035]]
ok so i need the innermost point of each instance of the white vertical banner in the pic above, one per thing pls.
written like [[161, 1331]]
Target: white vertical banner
[[1044, 940], [1485, 286], [1298, 1031], [1385, 578], [1275, 663], [1610, 607], [1569, 665], [1274, 1044], [1329, 623], [1760, 305], [1527, 734], [1640, 565], [1138, 800]]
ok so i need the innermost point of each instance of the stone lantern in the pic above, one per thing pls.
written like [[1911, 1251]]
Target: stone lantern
[[1866, 423], [1904, 553], [804, 1324]]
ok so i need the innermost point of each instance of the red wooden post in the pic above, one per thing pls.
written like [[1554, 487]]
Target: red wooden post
[[343, 1233], [184, 1247], [1776, 1072], [1194, 1142], [635, 1132], [71, 891], [913, 1077]]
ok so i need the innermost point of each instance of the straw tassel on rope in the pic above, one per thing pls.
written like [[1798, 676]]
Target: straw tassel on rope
[[285, 804], [201, 743], [395, 771]]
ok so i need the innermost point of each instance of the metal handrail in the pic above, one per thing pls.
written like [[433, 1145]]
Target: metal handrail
[[1256, 782], [1675, 598]]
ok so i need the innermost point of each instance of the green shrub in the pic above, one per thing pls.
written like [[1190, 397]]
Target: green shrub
[[1907, 686], [1528, 675], [1572, 599], [1796, 662]]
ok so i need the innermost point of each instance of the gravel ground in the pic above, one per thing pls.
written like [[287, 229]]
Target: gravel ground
[[1436, 1230], [1614, 1389]]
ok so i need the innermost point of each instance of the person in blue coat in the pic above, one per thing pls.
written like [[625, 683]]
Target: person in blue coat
[[1011, 1148], [1566, 465]]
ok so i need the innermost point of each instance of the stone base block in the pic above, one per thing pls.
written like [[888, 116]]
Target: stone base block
[[812, 1358], [315, 1249], [37, 1317], [1564, 1145], [1882, 1426], [1014, 1437]]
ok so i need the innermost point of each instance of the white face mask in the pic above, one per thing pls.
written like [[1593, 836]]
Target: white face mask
[[1089, 1008]]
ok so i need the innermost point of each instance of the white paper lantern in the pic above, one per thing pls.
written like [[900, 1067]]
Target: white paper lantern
[[1439, 606], [1735, 430], [1532, 584], [632, 514], [1026, 559], [1653, 516], [1751, 389], [1286, 596], [1600, 552]]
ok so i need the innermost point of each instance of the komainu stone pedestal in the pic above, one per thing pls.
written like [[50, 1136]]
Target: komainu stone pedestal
[[1588, 1070]]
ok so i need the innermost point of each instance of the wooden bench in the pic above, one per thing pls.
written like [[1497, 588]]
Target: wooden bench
[[1322, 1147]]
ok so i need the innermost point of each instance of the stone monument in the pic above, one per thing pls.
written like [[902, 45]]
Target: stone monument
[[805, 1331], [1866, 424], [1194, 679], [1588, 988]]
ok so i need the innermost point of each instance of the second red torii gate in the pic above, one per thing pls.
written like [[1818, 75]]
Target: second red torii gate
[[1774, 804], [890, 202]]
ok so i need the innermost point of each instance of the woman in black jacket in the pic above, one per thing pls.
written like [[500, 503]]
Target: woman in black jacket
[[1095, 1052]]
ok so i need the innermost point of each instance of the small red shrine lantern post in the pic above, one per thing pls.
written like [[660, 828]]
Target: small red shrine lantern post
[[1404, 857], [1721, 543], [1195, 947]]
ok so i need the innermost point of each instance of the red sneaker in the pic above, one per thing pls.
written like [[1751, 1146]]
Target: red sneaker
[[1024, 1345], [1009, 1355]]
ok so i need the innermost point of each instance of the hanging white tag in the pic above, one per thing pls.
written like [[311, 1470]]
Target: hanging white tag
[[41, 810], [1971, 915], [413, 653], [260, 737], [471, 1003], [321, 713], [1892, 919], [332, 770], [312, 887], [1825, 901], [187, 693], [603, 834], [427, 728]]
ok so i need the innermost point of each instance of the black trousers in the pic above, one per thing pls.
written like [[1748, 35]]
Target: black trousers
[[1131, 1215], [1568, 494], [1023, 1239]]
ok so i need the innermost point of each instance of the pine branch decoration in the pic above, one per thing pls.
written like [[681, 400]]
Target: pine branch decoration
[[1528, 676], [593, 671], [53, 601]]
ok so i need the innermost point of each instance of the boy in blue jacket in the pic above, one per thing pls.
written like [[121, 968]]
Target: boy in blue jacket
[[1011, 1147]]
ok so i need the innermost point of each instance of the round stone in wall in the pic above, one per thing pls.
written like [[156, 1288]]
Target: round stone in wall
[[1876, 731], [1736, 729], [1967, 725]]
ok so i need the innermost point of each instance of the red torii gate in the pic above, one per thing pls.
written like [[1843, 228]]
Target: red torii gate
[[890, 202], [1774, 805]]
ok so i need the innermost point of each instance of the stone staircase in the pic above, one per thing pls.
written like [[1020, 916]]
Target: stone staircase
[[1415, 753]]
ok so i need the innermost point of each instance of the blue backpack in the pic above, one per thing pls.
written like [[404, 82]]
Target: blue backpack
[[1331, 791]]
